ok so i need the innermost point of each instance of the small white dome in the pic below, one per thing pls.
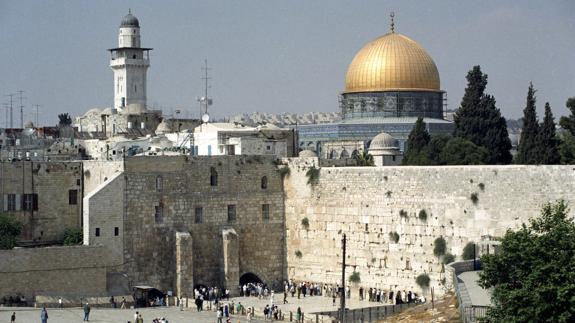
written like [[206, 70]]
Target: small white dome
[[307, 153], [383, 141]]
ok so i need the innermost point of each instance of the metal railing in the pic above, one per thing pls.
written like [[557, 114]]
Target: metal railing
[[359, 315], [467, 311]]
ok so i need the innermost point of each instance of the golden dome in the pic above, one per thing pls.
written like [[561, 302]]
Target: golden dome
[[392, 62]]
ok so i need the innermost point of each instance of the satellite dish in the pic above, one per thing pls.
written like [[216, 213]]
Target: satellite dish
[[205, 118]]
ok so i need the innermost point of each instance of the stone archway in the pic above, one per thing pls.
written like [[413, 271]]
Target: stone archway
[[249, 278]]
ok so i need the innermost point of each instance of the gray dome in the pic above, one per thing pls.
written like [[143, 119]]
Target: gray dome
[[130, 21], [383, 141], [307, 153]]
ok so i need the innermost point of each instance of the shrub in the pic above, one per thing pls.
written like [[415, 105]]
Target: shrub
[[440, 246], [312, 176], [305, 223], [10, 229], [422, 281], [388, 193], [474, 198], [298, 254], [72, 237], [394, 236], [468, 251], [284, 171], [422, 215], [481, 186], [448, 258], [354, 278], [403, 213]]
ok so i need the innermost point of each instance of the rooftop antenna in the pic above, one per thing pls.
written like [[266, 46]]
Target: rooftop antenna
[[11, 95], [205, 101], [392, 15], [20, 92], [37, 106]]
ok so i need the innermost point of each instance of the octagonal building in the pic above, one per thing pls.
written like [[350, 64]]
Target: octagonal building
[[390, 83]]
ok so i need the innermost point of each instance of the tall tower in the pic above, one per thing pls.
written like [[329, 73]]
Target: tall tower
[[130, 63]]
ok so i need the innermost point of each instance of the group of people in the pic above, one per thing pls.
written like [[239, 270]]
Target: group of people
[[390, 297], [254, 289], [302, 288], [224, 311]]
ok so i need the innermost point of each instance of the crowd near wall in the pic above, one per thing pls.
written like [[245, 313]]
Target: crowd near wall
[[374, 206], [46, 197], [203, 196]]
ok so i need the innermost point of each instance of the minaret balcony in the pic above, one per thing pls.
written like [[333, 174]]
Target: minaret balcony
[[123, 61]]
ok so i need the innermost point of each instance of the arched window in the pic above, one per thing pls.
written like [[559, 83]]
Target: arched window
[[264, 183], [355, 154], [213, 177], [344, 154], [332, 154]]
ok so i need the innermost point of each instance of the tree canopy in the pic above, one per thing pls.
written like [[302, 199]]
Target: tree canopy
[[528, 151], [532, 275], [480, 121], [548, 141], [64, 119], [10, 229], [363, 159], [568, 122]]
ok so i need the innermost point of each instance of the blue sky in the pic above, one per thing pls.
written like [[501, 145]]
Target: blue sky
[[278, 56]]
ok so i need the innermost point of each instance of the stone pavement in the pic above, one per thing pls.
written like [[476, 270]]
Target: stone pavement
[[174, 315], [107, 315], [478, 295]]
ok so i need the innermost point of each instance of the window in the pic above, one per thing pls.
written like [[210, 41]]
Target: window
[[11, 202], [268, 147], [159, 183], [231, 213], [159, 213], [265, 211], [73, 197], [264, 183], [78, 182], [213, 177], [97, 232], [30, 202], [199, 215], [116, 231]]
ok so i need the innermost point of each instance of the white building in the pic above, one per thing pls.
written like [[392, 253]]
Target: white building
[[213, 139]]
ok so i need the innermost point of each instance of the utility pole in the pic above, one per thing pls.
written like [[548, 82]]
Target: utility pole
[[11, 95], [342, 294], [21, 109], [37, 106], [205, 101]]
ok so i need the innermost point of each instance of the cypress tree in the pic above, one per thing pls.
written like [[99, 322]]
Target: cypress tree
[[568, 123], [416, 144], [528, 151], [479, 120], [549, 144]]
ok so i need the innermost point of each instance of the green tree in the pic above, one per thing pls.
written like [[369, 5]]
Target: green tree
[[532, 275], [72, 237], [479, 120], [10, 229], [64, 119], [364, 159], [439, 247], [468, 251], [459, 151], [416, 142], [568, 122], [528, 151], [567, 148], [434, 149], [549, 144]]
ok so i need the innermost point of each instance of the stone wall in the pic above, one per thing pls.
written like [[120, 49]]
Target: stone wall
[[51, 182], [62, 271], [369, 203], [97, 172], [162, 194]]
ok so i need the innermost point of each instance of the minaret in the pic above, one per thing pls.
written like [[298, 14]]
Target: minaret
[[130, 63]]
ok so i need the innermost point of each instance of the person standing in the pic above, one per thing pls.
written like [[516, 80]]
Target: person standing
[[87, 312], [60, 305], [44, 315], [13, 318], [219, 315]]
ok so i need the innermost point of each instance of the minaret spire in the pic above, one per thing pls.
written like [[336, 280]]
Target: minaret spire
[[392, 15]]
